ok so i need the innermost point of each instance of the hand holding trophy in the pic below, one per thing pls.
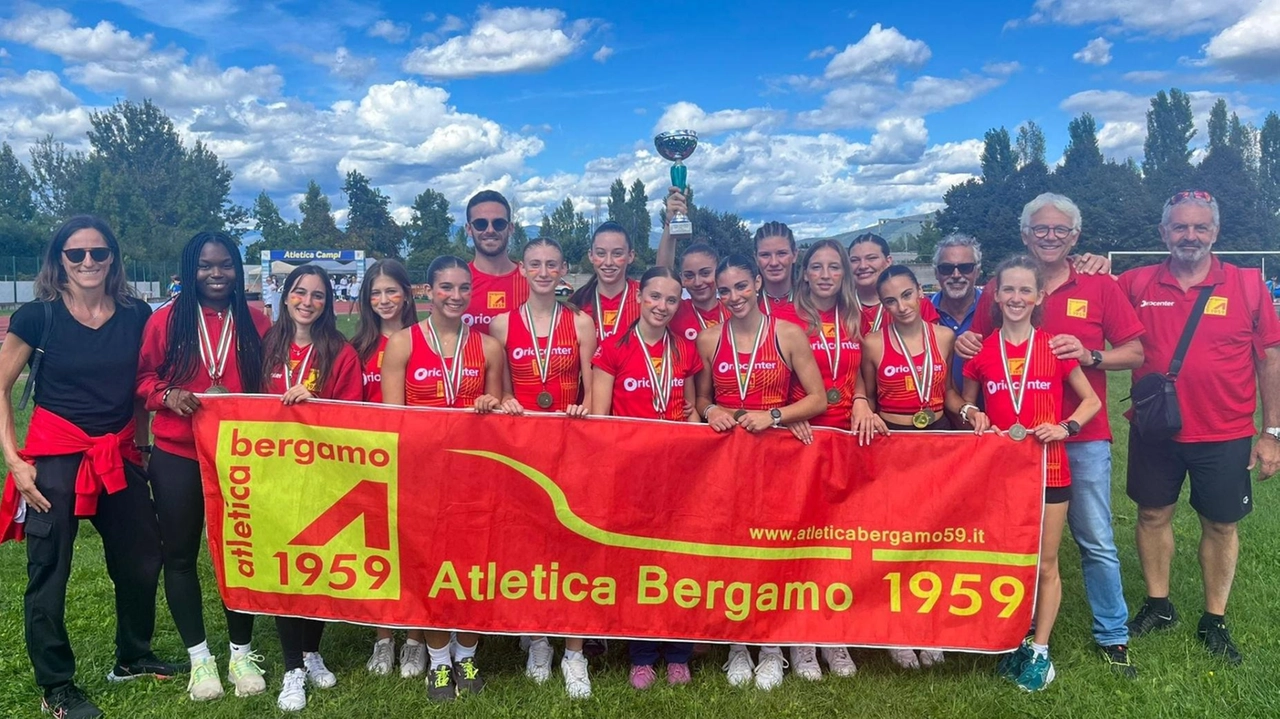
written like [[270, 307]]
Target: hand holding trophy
[[676, 146]]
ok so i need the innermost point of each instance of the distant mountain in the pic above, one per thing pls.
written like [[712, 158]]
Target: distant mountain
[[895, 231]]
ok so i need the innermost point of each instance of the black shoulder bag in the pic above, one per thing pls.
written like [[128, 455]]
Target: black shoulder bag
[[1156, 416], [39, 355]]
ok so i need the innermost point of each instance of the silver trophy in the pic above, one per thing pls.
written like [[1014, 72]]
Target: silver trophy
[[676, 146]]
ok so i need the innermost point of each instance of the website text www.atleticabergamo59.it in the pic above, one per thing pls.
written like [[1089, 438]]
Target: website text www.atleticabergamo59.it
[[894, 537]]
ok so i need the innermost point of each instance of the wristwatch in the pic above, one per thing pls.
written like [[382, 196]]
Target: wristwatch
[[1274, 432], [1097, 357], [1072, 427], [777, 417]]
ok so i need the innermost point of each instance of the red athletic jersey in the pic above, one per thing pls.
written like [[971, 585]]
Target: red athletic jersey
[[840, 413], [564, 375], [1093, 309], [424, 375], [690, 320], [896, 391], [172, 431], [783, 308], [770, 381], [875, 319], [624, 356], [493, 295], [345, 380], [1042, 402], [1217, 387], [373, 373], [619, 311]]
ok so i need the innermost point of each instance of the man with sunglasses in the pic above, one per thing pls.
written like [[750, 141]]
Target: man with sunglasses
[[497, 285], [1235, 348], [957, 262], [1083, 312]]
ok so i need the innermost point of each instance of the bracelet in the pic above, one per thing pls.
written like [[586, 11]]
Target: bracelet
[[862, 397], [964, 412], [164, 398], [707, 411]]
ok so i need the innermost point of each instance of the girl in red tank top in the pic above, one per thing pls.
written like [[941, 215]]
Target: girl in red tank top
[[441, 362], [609, 298], [386, 307]]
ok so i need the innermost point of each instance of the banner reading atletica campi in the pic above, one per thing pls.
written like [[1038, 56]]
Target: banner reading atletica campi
[[619, 528]]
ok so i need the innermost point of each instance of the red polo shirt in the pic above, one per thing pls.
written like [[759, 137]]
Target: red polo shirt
[[1217, 387], [1094, 310]]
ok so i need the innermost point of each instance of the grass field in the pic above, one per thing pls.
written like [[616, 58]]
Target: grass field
[[1177, 678]]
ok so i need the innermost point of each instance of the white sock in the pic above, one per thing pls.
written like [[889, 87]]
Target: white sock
[[239, 650], [569, 655], [438, 656], [411, 642], [199, 651], [1040, 650], [771, 650], [461, 652], [384, 640]]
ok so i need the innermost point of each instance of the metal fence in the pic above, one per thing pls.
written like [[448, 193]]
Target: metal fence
[[17, 275]]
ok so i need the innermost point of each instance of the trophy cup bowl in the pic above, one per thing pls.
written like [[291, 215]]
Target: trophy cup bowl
[[676, 146]]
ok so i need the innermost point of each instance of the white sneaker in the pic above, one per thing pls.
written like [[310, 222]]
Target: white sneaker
[[244, 672], [930, 657], [383, 658], [769, 670], [839, 661], [293, 691], [905, 658], [538, 665], [413, 660], [804, 663], [576, 680], [204, 683], [738, 668], [317, 673]]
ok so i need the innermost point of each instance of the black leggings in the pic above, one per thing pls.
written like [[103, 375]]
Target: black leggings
[[298, 636], [179, 499]]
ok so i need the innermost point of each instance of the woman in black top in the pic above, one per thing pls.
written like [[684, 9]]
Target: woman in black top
[[85, 422]]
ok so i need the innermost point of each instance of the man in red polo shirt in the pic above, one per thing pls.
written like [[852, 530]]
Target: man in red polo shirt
[[497, 285], [1084, 313], [1235, 348]]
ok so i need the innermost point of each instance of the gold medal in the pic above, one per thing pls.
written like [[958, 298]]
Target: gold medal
[[1016, 395], [922, 419], [739, 414], [833, 396], [923, 379], [545, 400], [217, 389], [1017, 432], [742, 375], [833, 358], [542, 360]]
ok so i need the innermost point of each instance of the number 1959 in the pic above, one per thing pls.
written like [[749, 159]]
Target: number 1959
[[342, 573], [965, 598]]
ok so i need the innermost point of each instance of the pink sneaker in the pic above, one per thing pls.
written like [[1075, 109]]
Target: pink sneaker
[[642, 677], [678, 674]]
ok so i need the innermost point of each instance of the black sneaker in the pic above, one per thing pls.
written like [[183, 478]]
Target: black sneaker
[[468, 676], [68, 702], [1215, 636], [147, 666], [1117, 655], [440, 684], [1149, 619], [594, 647]]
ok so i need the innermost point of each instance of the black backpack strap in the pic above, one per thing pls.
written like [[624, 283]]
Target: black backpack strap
[[37, 356], [1175, 366]]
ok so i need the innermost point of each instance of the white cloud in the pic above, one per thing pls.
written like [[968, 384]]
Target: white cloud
[[864, 104], [42, 86], [1122, 140], [897, 141], [1174, 18], [1122, 116], [1146, 76], [182, 14], [1002, 68], [604, 53], [343, 64], [1096, 52], [451, 24], [1250, 48], [827, 51], [53, 31], [4, 54], [688, 116], [505, 40], [877, 56], [389, 31]]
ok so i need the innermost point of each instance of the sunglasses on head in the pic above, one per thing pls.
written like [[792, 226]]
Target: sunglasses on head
[[948, 268], [1186, 195], [480, 224], [99, 254]]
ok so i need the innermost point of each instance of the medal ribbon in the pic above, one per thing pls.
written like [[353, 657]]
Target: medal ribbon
[[826, 347], [215, 359], [875, 325], [544, 362], [702, 322], [304, 365], [600, 331], [923, 389], [744, 379], [660, 381], [1021, 393], [452, 378]]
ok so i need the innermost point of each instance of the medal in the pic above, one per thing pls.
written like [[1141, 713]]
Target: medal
[[217, 389], [833, 394], [1017, 431], [540, 359], [923, 379], [744, 378], [739, 415], [303, 366], [659, 380], [452, 377], [215, 358]]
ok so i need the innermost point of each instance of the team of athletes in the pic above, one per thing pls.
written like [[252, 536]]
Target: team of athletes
[[840, 337]]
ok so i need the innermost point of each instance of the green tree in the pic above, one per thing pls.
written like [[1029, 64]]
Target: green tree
[[1219, 125], [429, 230], [1082, 155], [1269, 162], [998, 162], [21, 232], [275, 232], [369, 222], [926, 241], [631, 210], [1030, 147], [57, 173], [319, 231], [1166, 163], [1228, 174], [571, 229]]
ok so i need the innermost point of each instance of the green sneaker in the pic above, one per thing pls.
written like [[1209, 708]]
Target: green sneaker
[[1012, 664], [440, 684], [204, 684], [1037, 675], [246, 675], [468, 677]]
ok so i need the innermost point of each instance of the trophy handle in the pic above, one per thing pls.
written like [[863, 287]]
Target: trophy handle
[[679, 176]]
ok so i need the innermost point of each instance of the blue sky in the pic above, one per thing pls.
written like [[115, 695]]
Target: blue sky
[[826, 116]]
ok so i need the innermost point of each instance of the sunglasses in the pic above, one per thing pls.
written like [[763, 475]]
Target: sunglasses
[[1186, 195], [99, 254], [481, 224], [947, 268], [1060, 232]]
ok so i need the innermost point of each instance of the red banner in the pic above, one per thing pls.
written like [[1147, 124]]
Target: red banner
[[447, 519]]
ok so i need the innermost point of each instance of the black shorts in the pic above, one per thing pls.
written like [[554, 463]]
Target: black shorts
[[1057, 495], [1221, 486]]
